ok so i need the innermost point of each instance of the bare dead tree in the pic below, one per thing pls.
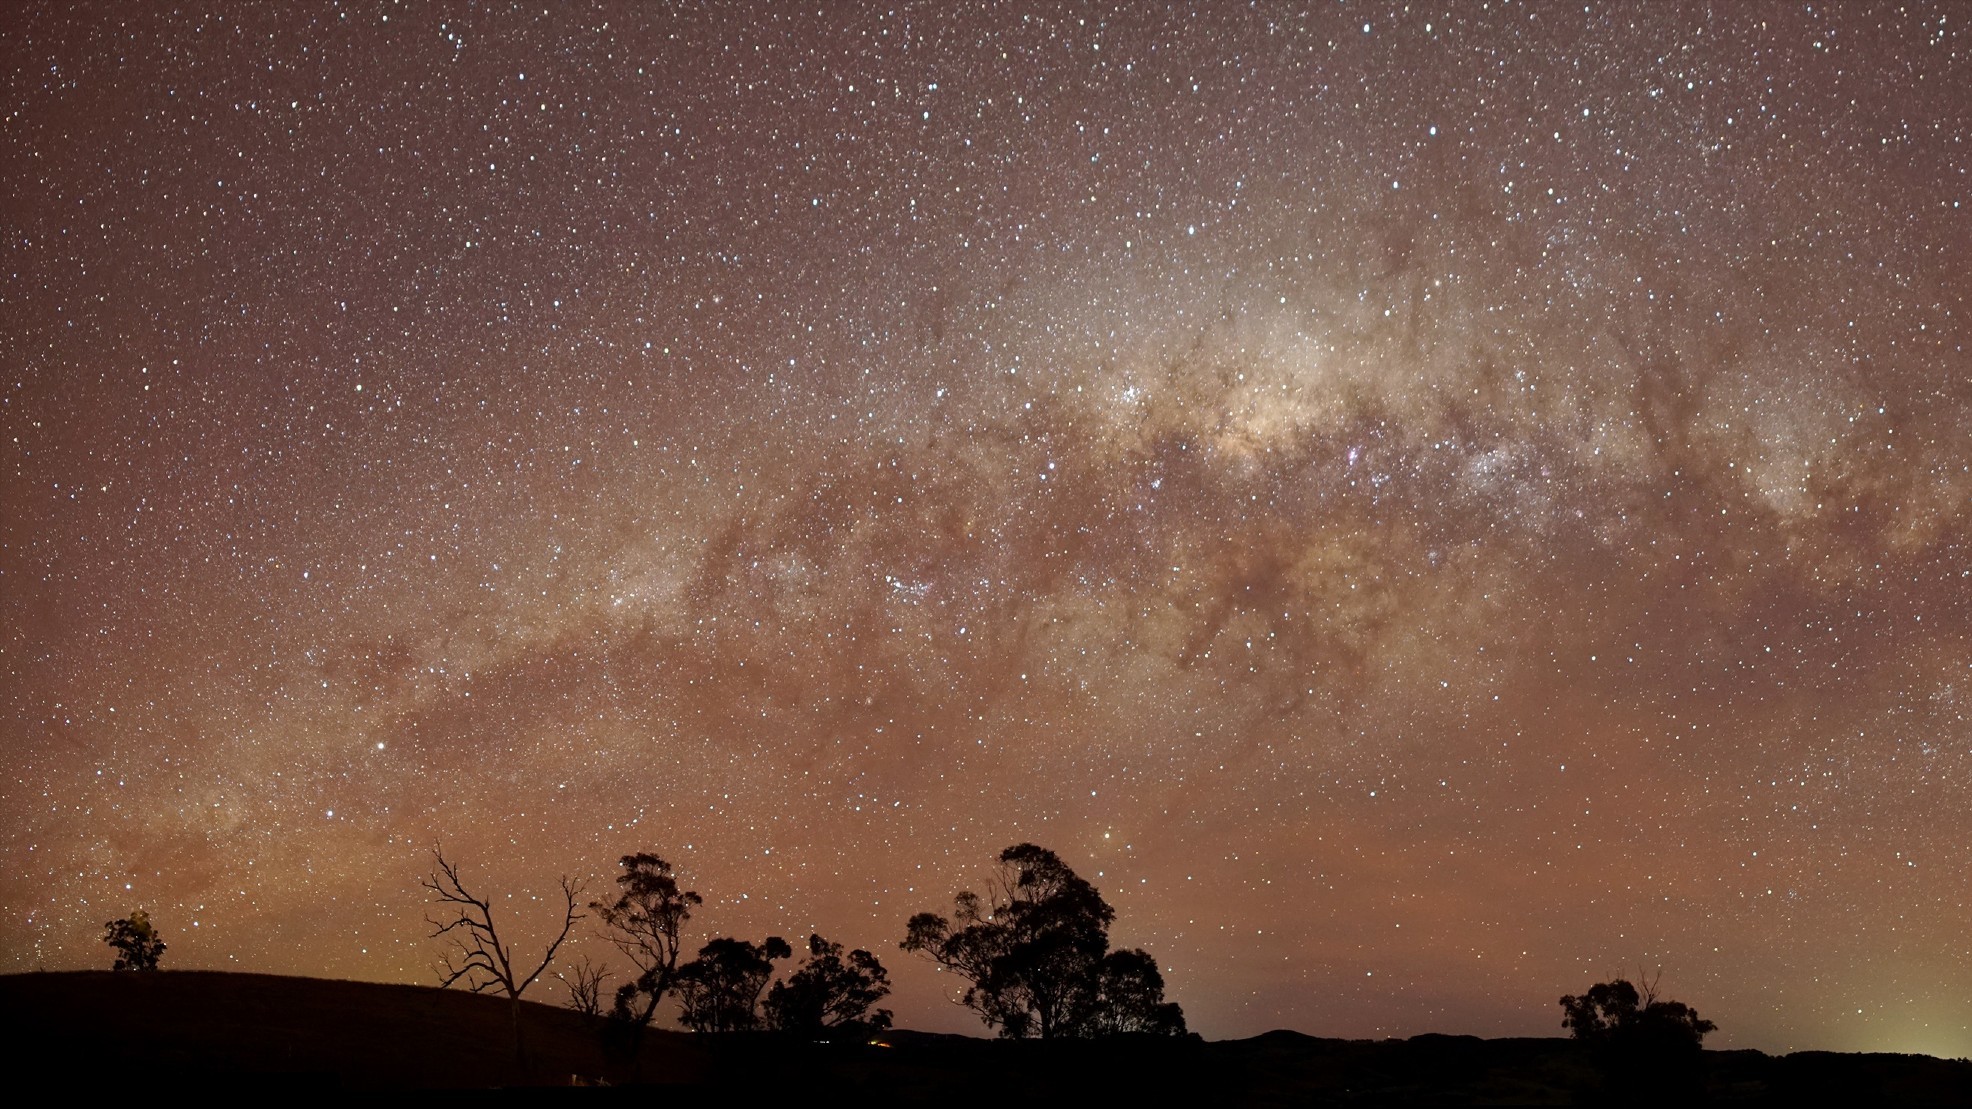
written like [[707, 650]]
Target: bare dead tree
[[474, 953], [584, 981], [1646, 985]]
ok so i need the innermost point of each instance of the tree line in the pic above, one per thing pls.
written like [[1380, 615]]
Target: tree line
[[1034, 954]]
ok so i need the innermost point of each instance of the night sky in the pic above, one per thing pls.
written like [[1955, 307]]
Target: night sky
[[1427, 507]]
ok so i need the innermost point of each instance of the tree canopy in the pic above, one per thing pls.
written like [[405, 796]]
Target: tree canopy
[[135, 941], [1617, 1014], [1036, 955], [644, 922], [720, 990], [829, 995]]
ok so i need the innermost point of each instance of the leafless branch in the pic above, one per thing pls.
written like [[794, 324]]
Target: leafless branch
[[474, 953], [585, 986]]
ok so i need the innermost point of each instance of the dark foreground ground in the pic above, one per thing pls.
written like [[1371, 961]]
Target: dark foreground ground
[[250, 1032]]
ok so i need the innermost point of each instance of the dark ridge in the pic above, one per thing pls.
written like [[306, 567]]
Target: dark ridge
[[98, 1030]]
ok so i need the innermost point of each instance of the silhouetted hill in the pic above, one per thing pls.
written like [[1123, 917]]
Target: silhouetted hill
[[175, 1027], [98, 1030]]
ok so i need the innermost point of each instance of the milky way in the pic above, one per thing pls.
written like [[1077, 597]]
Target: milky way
[[1426, 507]]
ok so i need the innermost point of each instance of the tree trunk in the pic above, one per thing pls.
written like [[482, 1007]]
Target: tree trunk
[[520, 1050]]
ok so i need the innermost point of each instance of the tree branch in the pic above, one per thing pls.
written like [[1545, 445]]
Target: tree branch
[[474, 954]]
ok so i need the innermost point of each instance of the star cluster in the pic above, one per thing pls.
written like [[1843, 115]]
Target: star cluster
[[1426, 506]]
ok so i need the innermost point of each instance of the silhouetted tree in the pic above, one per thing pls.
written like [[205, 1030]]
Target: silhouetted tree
[[1649, 1049], [1617, 1013], [585, 986], [644, 923], [136, 942], [720, 990], [828, 996], [1130, 997], [1035, 955], [474, 952]]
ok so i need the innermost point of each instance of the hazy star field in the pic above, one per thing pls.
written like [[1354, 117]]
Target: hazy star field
[[1427, 506]]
